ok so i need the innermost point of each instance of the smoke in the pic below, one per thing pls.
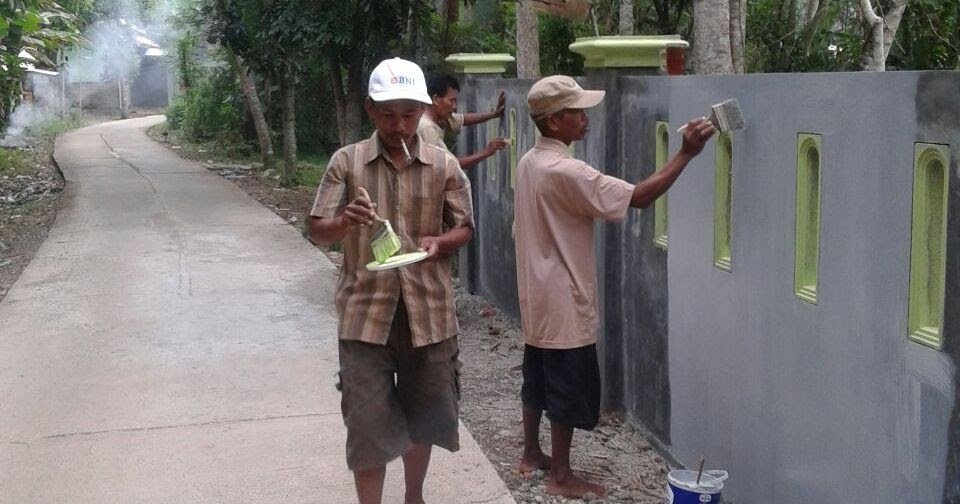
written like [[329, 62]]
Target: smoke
[[42, 103], [99, 73], [118, 43]]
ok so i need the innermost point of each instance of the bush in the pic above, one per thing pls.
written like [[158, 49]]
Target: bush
[[210, 110], [176, 111]]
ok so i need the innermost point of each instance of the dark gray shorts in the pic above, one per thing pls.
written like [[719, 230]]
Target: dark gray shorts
[[564, 383], [397, 395]]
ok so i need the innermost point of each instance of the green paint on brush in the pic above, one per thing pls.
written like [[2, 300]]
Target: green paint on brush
[[383, 241]]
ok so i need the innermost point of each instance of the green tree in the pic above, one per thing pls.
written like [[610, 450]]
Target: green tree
[[40, 28]]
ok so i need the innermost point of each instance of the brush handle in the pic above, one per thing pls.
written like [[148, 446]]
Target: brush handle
[[365, 194]]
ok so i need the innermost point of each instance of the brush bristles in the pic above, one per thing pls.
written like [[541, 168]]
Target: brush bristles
[[727, 115], [384, 242]]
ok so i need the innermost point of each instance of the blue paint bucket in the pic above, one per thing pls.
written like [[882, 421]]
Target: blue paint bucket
[[682, 487]]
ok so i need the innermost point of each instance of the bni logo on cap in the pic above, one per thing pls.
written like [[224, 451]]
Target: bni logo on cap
[[403, 80]]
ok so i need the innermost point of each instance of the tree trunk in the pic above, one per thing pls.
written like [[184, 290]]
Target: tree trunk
[[813, 6], [891, 22], [711, 37], [626, 17], [810, 29], [353, 113], [879, 33], [451, 14], [267, 100], [289, 128], [737, 31], [123, 91], [528, 41], [253, 105]]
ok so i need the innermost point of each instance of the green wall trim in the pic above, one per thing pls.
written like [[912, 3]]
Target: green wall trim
[[807, 245], [928, 244], [491, 161], [478, 63], [513, 147], [723, 202], [662, 140], [624, 52]]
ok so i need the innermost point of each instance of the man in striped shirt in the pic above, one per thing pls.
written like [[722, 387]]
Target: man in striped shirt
[[442, 116], [397, 328]]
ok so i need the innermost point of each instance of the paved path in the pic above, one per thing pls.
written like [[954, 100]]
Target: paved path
[[173, 341]]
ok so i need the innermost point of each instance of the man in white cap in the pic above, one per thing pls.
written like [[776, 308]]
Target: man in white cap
[[397, 328], [556, 202]]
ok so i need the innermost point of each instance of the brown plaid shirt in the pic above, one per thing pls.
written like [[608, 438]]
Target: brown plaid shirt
[[424, 199]]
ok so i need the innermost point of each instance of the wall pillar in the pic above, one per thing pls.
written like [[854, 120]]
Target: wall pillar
[[469, 68], [640, 389]]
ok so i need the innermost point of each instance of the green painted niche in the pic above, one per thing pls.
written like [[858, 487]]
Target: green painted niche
[[723, 202], [807, 252], [513, 147], [492, 160], [928, 244], [660, 206]]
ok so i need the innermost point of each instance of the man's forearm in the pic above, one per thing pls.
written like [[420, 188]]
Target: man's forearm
[[471, 118], [453, 239], [326, 231], [472, 159], [652, 187]]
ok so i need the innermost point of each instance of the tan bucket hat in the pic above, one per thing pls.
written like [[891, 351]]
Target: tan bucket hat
[[552, 94]]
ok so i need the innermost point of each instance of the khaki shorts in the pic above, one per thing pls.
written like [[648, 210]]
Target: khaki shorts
[[396, 395]]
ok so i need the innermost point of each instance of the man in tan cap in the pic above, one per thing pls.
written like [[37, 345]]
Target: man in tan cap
[[556, 202]]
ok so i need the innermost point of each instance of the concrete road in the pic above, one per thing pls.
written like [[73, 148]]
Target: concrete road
[[174, 341]]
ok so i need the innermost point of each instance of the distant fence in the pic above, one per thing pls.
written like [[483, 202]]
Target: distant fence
[[791, 310]]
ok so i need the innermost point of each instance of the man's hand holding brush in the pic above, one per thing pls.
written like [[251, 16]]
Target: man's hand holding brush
[[695, 135], [361, 211]]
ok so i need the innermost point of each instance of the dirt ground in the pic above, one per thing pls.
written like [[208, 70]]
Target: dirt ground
[[615, 454], [29, 201]]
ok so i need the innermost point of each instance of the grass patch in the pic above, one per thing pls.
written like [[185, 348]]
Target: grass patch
[[15, 162], [50, 127], [311, 167], [310, 170]]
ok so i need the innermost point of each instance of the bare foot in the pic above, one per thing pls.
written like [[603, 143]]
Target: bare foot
[[530, 463], [574, 487]]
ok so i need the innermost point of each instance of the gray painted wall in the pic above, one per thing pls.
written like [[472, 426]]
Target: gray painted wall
[[810, 403], [801, 403]]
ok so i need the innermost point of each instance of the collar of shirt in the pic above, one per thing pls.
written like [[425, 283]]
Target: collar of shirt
[[416, 151], [553, 145]]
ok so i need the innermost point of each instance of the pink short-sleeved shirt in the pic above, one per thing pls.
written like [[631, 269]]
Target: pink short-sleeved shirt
[[556, 201]]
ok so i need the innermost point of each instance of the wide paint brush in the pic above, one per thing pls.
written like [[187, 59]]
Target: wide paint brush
[[725, 116], [384, 242]]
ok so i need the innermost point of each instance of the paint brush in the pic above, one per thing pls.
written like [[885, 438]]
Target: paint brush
[[384, 242], [725, 116]]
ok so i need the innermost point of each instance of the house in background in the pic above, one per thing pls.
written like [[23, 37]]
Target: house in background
[[124, 69]]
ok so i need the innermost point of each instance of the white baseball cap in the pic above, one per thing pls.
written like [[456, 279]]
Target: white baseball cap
[[398, 79]]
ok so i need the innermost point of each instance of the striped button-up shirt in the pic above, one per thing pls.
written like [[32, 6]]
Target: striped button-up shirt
[[426, 198]]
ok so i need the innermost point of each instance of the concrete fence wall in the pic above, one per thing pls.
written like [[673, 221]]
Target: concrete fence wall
[[802, 402]]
